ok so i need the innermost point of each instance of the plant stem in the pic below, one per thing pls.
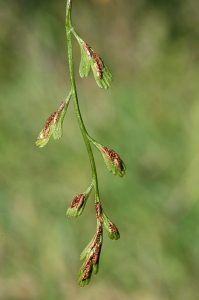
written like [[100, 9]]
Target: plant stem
[[75, 98]]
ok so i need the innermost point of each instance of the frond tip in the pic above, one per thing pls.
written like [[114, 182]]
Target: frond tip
[[53, 125], [91, 60], [91, 254]]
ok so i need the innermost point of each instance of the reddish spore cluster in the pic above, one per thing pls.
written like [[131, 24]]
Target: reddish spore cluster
[[113, 157], [77, 201], [98, 62]]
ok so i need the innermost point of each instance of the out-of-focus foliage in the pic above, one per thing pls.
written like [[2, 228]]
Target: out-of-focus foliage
[[150, 116]]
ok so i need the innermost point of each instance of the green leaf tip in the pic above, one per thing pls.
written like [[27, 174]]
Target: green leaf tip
[[84, 274], [110, 227], [91, 254], [90, 59], [112, 160], [54, 124], [78, 204]]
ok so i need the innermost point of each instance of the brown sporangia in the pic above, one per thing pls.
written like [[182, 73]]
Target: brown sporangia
[[96, 253], [88, 50], [98, 65], [60, 108], [113, 228], [47, 124], [91, 260], [113, 157], [96, 237], [98, 210], [77, 201], [53, 118], [98, 62], [87, 268]]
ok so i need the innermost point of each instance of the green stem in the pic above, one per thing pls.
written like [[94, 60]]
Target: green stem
[[94, 142], [82, 127]]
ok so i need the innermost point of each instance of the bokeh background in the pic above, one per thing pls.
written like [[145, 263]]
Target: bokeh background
[[150, 116]]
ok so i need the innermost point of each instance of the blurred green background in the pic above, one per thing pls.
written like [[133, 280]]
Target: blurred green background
[[150, 116]]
